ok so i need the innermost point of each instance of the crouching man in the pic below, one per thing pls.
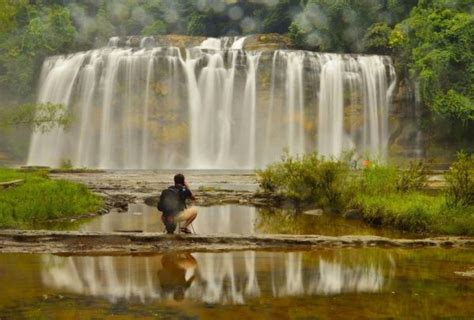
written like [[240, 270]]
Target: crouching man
[[173, 205]]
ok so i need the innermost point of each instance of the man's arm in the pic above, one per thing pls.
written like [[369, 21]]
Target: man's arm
[[190, 193]]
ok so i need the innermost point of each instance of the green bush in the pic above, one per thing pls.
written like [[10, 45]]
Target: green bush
[[307, 179], [39, 199], [378, 179], [460, 181], [383, 179], [384, 194], [413, 178], [407, 211]]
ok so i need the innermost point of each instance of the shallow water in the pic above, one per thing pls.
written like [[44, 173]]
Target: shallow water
[[236, 219], [336, 283]]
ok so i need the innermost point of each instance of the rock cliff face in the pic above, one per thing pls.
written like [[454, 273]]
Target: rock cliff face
[[235, 102]]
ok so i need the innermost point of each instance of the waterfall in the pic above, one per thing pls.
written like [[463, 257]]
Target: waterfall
[[212, 106]]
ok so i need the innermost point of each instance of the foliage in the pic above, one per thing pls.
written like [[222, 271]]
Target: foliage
[[460, 181], [278, 18], [376, 39], [340, 25], [436, 42], [413, 178], [41, 117], [296, 35], [39, 199], [8, 11], [307, 179], [197, 25], [384, 194], [385, 179], [378, 179], [46, 31], [156, 28], [66, 164]]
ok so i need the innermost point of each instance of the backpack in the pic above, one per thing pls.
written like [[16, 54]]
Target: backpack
[[170, 201]]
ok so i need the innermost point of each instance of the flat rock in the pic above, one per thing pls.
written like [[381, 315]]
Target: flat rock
[[315, 212], [78, 242]]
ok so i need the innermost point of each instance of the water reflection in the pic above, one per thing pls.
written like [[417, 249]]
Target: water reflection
[[172, 276], [237, 219], [218, 278], [218, 219]]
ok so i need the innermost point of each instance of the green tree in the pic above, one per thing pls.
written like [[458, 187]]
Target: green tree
[[197, 25], [437, 44], [376, 39], [8, 11], [47, 31], [155, 28]]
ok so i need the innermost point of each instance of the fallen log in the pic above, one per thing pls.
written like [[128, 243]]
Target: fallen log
[[76, 242], [8, 184]]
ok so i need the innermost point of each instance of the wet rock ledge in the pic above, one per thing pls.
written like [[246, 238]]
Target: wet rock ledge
[[75, 242]]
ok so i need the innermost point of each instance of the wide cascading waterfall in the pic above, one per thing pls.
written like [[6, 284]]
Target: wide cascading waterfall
[[212, 106]]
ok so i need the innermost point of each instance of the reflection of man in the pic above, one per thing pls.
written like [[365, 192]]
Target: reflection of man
[[173, 275]]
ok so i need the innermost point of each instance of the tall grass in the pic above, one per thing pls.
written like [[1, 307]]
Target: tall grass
[[39, 199], [307, 179], [384, 194]]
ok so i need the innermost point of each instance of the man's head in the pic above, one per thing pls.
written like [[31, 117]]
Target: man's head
[[179, 179]]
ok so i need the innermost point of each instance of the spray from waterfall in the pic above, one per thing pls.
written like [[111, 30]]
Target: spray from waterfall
[[212, 106]]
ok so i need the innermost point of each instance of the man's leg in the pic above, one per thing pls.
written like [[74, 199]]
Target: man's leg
[[187, 216]]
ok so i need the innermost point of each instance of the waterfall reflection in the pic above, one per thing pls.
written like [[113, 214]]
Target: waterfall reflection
[[218, 219], [219, 278]]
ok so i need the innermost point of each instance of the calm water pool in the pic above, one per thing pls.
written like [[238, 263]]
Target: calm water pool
[[336, 284], [237, 219]]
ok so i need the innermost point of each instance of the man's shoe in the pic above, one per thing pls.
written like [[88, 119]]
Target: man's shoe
[[185, 230]]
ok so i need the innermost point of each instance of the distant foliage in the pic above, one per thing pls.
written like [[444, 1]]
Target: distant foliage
[[460, 181], [42, 117], [40, 31], [297, 35], [376, 39], [436, 42], [308, 179], [340, 26]]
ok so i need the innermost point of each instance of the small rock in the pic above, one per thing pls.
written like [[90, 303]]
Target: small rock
[[352, 214], [315, 212]]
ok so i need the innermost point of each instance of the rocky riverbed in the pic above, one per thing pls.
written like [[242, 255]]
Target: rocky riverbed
[[120, 188]]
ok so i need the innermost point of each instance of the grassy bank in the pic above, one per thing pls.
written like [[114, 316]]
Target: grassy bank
[[38, 199], [384, 195]]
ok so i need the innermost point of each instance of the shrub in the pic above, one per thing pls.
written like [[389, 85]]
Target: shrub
[[307, 179], [412, 212], [378, 180], [460, 181], [39, 199], [414, 178]]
